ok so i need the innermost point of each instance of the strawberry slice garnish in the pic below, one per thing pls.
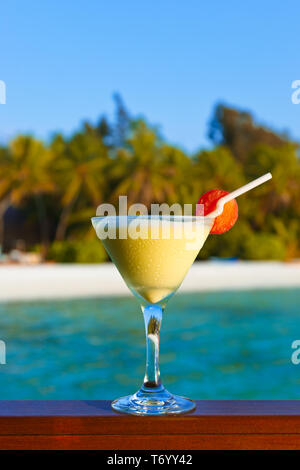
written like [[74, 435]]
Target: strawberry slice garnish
[[224, 221]]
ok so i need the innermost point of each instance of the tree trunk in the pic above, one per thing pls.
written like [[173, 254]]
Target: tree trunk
[[4, 204], [43, 223], [63, 221]]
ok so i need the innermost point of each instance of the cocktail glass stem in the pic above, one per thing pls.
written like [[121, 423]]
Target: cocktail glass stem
[[153, 318], [152, 398]]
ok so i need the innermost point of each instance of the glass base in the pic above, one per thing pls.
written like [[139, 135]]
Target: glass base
[[153, 401]]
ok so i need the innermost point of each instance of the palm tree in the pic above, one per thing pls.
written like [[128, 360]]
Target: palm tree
[[4, 189], [80, 165], [143, 170], [217, 168], [25, 173], [183, 174]]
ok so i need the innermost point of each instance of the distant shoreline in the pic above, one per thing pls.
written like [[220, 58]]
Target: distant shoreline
[[67, 281]]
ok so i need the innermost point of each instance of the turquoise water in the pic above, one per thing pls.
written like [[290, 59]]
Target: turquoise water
[[225, 345]]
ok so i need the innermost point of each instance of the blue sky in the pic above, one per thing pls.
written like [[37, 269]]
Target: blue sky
[[170, 60]]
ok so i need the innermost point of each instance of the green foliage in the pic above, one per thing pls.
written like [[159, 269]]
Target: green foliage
[[86, 251], [217, 168], [260, 246], [57, 187], [237, 130]]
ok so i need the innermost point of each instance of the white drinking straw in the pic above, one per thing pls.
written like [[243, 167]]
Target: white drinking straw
[[220, 204]]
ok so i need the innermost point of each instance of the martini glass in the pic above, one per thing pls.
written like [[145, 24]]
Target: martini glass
[[153, 255]]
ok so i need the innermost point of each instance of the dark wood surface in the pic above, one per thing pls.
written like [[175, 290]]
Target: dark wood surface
[[94, 425]]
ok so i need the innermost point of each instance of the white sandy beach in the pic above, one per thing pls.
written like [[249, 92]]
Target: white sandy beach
[[70, 281]]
